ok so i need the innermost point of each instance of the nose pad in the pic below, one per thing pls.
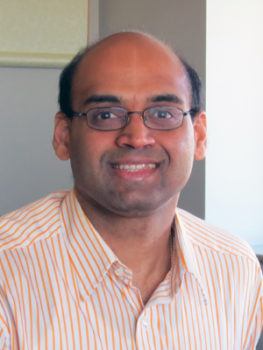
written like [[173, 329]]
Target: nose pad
[[135, 134]]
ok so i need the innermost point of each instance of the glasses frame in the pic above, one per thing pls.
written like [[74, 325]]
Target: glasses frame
[[128, 114]]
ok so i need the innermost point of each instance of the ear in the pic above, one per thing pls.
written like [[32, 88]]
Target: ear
[[200, 135], [61, 136]]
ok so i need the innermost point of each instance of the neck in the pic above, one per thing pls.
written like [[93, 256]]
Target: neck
[[143, 244]]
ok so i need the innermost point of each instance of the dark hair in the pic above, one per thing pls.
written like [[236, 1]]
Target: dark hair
[[65, 83], [67, 75], [196, 88]]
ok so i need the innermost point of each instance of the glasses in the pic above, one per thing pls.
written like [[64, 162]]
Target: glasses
[[115, 118]]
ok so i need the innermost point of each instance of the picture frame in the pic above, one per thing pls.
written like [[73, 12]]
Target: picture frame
[[45, 33]]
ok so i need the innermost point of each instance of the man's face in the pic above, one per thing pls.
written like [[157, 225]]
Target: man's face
[[136, 170]]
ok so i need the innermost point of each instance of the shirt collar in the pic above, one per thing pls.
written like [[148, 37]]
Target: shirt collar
[[186, 259], [90, 257]]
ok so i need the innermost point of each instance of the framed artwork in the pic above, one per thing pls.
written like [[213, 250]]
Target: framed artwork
[[48, 33]]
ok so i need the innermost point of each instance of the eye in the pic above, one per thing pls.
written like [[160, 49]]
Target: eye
[[106, 118], [104, 115], [162, 114]]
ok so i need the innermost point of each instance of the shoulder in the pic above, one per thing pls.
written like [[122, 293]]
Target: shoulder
[[222, 261], [32, 222], [210, 238]]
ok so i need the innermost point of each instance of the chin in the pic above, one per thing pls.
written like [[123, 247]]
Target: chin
[[134, 211], [140, 207]]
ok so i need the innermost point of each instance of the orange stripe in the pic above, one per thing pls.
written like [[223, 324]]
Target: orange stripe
[[68, 295], [53, 296], [60, 297]]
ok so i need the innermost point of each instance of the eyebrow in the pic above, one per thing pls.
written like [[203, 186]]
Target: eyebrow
[[101, 99], [115, 99], [166, 98]]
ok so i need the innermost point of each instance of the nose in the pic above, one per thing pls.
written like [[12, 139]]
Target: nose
[[135, 134]]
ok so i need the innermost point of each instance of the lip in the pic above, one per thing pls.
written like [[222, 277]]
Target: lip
[[135, 169]]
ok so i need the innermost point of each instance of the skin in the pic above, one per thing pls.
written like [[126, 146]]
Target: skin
[[132, 210]]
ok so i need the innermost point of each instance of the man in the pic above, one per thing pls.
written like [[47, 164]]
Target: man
[[113, 264]]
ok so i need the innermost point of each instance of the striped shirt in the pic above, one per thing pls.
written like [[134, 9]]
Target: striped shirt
[[62, 287]]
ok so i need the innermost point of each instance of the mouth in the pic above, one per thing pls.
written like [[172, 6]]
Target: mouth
[[135, 170], [135, 167]]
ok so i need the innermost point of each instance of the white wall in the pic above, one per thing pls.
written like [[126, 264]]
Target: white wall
[[234, 85]]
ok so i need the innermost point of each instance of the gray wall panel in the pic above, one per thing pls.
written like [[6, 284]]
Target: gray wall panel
[[29, 168]]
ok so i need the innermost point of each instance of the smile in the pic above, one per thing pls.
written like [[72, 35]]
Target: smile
[[135, 167]]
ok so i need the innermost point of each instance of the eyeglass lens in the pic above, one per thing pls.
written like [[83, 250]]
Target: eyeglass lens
[[113, 118]]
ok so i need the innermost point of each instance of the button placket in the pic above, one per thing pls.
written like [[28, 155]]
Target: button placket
[[142, 329], [143, 319]]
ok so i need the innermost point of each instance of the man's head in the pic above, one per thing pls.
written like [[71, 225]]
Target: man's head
[[67, 75], [137, 167]]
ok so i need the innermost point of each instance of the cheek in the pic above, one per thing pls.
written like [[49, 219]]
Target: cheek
[[182, 157], [81, 155], [86, 152], [82, 143], [183, 144]]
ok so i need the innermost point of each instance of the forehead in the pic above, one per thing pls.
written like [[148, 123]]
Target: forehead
[[131, 65]]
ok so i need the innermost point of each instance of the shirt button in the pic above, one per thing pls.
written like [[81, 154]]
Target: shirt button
[[145, 324], [119, 271]]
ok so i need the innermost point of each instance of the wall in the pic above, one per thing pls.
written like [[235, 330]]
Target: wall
[[29, 168], [181, 23], [234, 168]]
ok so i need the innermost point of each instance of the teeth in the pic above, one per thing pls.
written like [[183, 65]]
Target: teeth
[[135, 167]]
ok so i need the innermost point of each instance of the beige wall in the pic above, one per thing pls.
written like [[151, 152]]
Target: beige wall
[[42, 33]]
